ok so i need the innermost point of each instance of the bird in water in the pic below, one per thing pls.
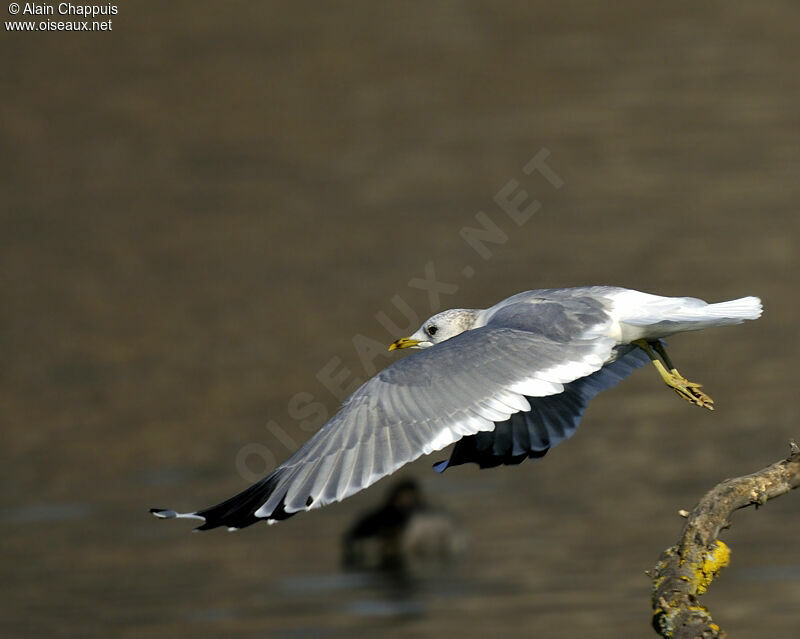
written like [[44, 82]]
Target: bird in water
[[405, 530], [505, 384]]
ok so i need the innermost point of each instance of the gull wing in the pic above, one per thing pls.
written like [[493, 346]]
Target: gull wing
[[421, 404]]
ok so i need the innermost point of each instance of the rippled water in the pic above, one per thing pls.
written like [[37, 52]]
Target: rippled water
[[202, 207]]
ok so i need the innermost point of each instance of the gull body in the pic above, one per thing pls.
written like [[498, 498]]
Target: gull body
[[507, 383]]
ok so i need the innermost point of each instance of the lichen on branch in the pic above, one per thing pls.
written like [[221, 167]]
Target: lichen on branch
[[686, 570]]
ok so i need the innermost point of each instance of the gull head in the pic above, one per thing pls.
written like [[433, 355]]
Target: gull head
[[438, 328]]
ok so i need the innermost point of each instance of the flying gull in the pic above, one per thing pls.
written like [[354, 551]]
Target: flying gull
[[504, 384]]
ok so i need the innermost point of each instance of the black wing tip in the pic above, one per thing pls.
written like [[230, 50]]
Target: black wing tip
[[166, 513], [163, 513], [240, 510]]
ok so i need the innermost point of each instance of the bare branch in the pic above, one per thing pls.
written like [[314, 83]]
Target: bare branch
[[685, 571]]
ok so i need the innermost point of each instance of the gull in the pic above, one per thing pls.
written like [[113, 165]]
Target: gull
[[505, 384]]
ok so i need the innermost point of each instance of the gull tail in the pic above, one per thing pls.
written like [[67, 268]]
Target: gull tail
[[734, 311], [653, 316], [719, 314]]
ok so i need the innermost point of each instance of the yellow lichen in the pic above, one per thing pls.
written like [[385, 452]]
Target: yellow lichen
[[714, 560], [697, 609]]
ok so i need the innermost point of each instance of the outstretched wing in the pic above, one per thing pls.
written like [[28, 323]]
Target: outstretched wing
[[425, 402], [551, 420]]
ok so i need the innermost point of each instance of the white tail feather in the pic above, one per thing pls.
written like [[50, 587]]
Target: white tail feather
[[649, 316], [745, 308]]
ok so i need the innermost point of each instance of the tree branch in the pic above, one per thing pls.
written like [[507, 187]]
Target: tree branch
[[685, 571]]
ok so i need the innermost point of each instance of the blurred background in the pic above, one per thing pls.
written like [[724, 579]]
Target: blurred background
[[203, 207]]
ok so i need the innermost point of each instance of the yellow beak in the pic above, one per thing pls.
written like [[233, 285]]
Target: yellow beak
[[403, 342]]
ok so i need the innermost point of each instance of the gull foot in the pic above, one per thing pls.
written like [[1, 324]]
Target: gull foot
[[690, 391]]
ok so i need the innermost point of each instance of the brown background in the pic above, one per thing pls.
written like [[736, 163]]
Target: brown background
[[203, 206]]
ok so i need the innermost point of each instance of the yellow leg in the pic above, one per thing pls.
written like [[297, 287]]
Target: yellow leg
[[690, 391]]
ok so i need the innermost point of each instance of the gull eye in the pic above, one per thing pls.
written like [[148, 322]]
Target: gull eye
[[432, 330]]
